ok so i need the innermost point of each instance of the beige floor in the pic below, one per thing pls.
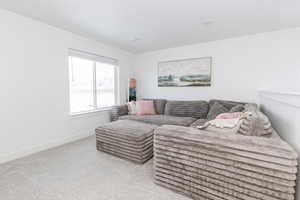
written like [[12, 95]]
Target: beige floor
[[77, 171]]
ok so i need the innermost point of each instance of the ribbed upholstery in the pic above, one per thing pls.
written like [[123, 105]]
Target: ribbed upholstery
[[195, 109], [117, 111], [131, 140], [216, 109], [160, 119], [199, 122], [207, 165], [228, 104], [237, 108], [256, 124]]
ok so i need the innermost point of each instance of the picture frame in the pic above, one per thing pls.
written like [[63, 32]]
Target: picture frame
[[190, 72]]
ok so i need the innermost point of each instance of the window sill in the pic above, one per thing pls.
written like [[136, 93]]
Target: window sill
[[88, 113]]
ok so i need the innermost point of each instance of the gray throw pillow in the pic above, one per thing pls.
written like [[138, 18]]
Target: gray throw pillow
[[195, 109], [227, 104], [256, 123], [215, 110], [237, 108]]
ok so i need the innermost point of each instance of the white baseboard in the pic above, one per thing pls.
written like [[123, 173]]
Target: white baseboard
[[38, 148]]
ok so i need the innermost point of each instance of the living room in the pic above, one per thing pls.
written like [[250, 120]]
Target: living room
[[248, 50]]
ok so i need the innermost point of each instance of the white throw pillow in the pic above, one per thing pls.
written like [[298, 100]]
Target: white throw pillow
[[131, 108]]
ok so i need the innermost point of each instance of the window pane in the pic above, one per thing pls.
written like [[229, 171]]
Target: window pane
[[81, 84], [105, 78]]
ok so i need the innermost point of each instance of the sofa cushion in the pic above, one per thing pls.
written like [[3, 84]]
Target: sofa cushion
[[255, 123], [159, 105], [195, 109], [161, 119], [216, 109], [237, 108], [228, 104], [199, 122]]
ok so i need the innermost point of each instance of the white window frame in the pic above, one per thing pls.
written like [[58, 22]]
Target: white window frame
[[95, 58]]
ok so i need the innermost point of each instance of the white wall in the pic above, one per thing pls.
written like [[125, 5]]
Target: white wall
[[34, 86], [241, 66]]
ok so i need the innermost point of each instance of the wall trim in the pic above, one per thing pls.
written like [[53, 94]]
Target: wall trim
[[279, 93], [287, 98], [38, 148]]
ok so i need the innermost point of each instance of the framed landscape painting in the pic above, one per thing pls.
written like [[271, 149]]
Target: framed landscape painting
[[191, 72]]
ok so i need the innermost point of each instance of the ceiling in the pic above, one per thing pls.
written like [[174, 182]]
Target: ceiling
[[145, 25]]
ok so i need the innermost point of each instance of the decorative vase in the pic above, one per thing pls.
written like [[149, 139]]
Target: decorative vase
[[132, 89]]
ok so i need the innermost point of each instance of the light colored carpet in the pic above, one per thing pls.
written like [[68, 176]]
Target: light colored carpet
[[77, 171]]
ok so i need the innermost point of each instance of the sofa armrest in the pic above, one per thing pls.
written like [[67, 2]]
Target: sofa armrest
[[118, 111], [199, 162], [270, 153]]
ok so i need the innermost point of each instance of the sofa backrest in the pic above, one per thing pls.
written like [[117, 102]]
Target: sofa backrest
[[195, 109], [227, 104]]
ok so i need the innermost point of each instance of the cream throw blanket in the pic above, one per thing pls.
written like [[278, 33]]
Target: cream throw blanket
[[224, 123]]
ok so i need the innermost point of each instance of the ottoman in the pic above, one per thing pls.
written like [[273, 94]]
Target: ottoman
[[131, 140]]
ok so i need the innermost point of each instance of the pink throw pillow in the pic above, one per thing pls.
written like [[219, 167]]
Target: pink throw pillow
[[145, 108], [229, 115]]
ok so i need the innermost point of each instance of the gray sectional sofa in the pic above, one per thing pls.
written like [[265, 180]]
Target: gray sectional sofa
[[248, 162], [181, 113]]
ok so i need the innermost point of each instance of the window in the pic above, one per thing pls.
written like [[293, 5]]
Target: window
[[93, 82]]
